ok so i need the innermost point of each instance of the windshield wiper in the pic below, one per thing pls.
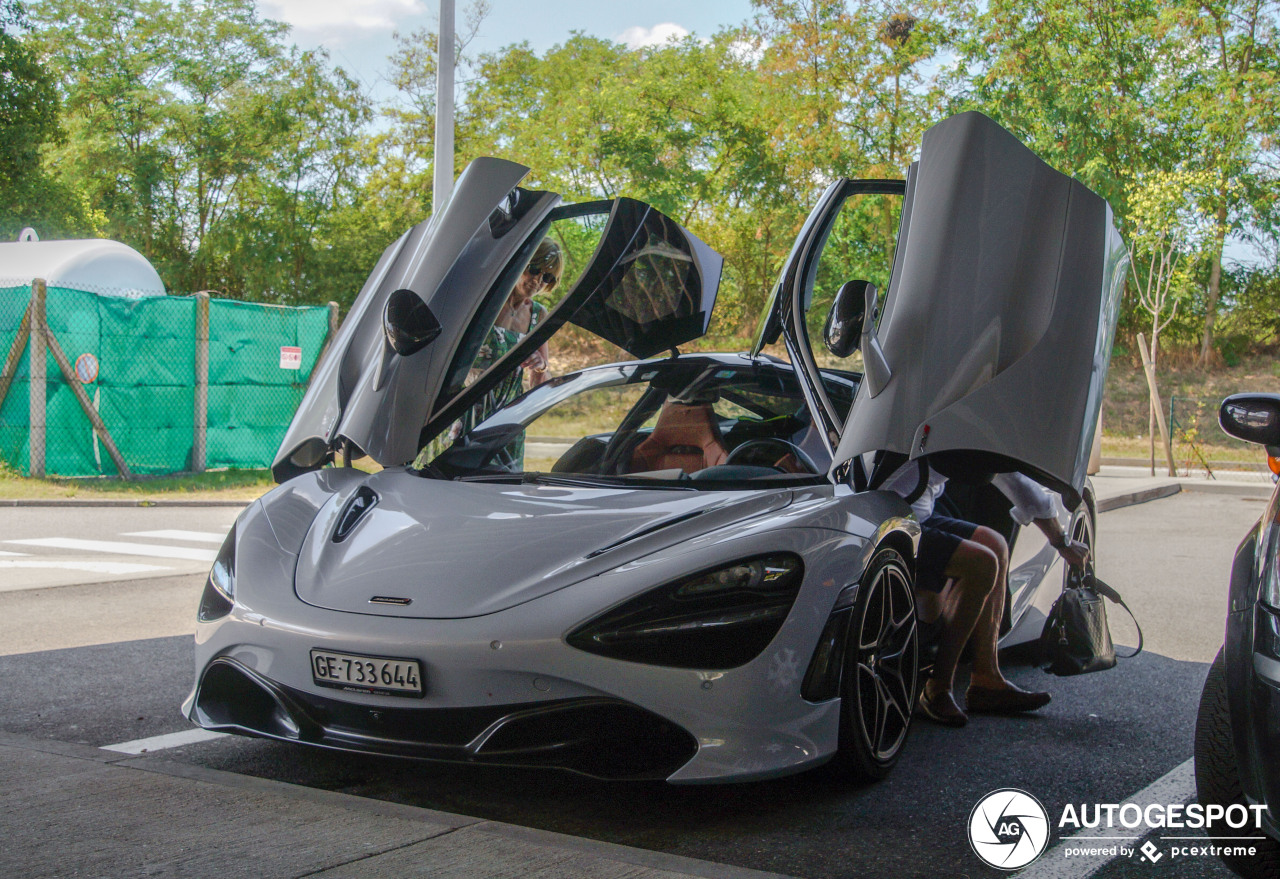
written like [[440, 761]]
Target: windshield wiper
[[602, 482], [512, 478], [536, 478]]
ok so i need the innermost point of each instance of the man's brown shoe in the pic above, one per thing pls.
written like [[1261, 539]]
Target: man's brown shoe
[[942, 708], [1004, 700]]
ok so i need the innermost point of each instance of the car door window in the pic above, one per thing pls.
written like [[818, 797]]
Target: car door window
[[575, 233], [858, 244]]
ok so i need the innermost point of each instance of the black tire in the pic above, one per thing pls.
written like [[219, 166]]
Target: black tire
[[880, 679], [1218, 774]]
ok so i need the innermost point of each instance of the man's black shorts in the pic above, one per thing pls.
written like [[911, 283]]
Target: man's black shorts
[[940, 536]]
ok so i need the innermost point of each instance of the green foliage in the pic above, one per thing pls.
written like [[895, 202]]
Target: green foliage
[[204, 140], [196, 132], [29, 120]]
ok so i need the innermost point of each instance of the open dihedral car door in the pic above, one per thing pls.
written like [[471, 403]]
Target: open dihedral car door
[[363, 392], [405, 355], [997, 325]]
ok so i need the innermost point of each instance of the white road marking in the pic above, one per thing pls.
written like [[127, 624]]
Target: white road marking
[[91, 567], [1178, 785], [11, 554], [160, 743], [197, 536], [120, 548]]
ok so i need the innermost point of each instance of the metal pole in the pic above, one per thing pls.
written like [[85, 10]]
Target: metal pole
[[442, 179], [200, 428], [36, 369]]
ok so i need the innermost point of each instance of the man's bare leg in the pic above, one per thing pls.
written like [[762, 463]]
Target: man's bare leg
[[975, 569], [986, 631]]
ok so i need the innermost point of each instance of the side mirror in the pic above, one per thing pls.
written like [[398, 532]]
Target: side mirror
[[408, 323], [843, 330], [1254, 418]]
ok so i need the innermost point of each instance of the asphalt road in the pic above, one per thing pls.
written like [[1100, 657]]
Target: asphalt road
[[1104, 738]]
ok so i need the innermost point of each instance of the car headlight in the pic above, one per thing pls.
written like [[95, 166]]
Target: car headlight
[[716, 619], [220, 587]]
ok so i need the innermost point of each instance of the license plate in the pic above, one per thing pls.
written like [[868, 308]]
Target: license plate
[[367, 674]]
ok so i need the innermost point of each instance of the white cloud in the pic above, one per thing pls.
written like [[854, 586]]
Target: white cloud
[[748, 51], [334, 17], [638, 37]]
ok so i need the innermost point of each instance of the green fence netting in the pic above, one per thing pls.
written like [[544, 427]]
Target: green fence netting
[[145, 387], [13, 408]]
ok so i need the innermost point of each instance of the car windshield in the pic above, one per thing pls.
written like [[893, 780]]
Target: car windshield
[[690, 421]]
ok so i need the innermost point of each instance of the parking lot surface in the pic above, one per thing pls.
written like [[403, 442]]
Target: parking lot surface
[[1105, 738]]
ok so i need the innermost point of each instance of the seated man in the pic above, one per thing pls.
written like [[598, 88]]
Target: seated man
[[976, 560]]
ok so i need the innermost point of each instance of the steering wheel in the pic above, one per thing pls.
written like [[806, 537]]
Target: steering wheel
[[770, 451]]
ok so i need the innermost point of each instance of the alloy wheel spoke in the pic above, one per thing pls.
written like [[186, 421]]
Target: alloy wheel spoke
[[888, 705], [881, 716], [863, 643]]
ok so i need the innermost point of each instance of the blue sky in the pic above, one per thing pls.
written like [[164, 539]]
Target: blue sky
[[357, 33]]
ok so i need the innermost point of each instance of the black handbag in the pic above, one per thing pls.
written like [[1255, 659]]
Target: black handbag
[[1076, 639]]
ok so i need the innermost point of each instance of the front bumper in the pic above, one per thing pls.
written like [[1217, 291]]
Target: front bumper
[[599, 737]]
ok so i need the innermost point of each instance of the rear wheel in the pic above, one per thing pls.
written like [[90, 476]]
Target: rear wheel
[[1218, 773], [881, 670]]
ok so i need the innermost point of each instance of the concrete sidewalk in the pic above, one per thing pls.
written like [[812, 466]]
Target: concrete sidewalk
[[73, 810], [1122, 486]]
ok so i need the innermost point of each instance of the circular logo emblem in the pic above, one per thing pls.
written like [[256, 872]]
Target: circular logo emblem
[[1008, 828]]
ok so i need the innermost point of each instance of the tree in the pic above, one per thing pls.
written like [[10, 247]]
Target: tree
[[1224, 95], [1166, 235], [1074, 80], [203, 138], [29, 121]]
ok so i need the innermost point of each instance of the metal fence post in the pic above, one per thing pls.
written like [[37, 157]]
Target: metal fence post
[[36, 368], [199, 434]]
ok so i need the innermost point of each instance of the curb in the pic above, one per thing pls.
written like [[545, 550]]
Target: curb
[[1129, 499], [1142, 496], [678, 865], [1236, 488]]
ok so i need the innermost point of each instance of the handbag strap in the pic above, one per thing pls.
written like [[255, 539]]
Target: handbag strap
[[1097, 585]]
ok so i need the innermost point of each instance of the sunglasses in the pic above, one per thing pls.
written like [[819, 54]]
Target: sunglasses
[[547, 279]]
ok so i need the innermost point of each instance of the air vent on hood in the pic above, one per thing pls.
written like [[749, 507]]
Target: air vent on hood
[[361, 503]]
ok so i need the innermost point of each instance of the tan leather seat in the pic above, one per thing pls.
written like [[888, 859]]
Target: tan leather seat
[[686, 436]]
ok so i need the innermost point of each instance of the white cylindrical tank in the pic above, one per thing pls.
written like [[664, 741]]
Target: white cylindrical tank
[[94, 265]]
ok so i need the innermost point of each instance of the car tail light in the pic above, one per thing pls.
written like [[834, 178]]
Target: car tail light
[[716, 619]]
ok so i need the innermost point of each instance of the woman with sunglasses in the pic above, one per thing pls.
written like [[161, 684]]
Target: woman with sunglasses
[[520, 314], [518, 317]]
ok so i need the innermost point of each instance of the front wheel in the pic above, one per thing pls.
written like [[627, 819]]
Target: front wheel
[[1218, 773], [879, 682]]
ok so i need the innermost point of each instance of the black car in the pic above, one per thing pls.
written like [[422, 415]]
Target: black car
[[1238, 727]]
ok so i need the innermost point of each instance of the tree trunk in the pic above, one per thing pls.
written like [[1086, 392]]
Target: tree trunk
[[1215, 282]]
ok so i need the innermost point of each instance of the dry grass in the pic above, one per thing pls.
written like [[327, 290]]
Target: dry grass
[[229, 485]]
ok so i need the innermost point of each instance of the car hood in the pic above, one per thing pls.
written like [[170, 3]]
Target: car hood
[[447, 550]]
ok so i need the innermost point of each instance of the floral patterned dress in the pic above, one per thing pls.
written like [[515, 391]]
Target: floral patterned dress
[[496, 345]]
